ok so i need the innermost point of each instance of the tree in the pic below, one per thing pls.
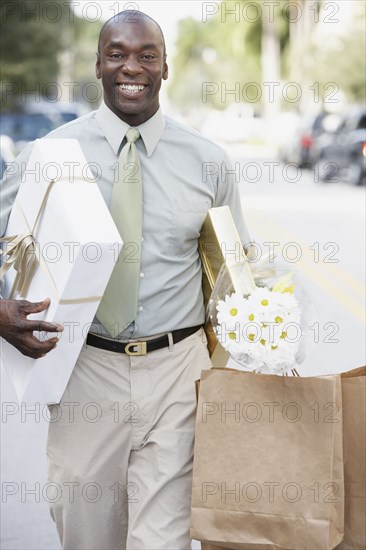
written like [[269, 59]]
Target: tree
[[225, 50], [338, 60], [37, 46], [311, 44], [29, 45]]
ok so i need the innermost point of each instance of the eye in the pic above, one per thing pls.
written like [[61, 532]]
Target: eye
[[148, 56], [116, 55]]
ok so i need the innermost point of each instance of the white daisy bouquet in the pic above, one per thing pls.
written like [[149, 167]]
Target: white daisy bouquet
[[262, 330]]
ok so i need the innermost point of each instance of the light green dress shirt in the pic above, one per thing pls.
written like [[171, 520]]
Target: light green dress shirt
[[184, 174]]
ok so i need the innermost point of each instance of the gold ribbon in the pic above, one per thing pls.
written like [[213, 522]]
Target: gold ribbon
[[22, 253]]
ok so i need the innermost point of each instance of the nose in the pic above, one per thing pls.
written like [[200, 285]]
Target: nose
[[131, 65]]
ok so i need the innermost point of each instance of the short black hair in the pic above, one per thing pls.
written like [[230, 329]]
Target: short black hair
[[128, 16]]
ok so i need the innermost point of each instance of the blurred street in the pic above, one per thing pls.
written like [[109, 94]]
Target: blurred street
[[322, 225], [322, 222]]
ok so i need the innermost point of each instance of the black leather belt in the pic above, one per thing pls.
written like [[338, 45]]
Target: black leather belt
[[140, 347]]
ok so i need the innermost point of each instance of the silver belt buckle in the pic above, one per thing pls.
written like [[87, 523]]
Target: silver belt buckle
[[140, 348]]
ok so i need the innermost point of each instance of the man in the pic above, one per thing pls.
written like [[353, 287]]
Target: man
[[125, 472]]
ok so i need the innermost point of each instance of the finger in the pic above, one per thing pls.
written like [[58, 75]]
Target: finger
[[36, 307], [45, 347], [52, 340], [36, 348], [42, 326]]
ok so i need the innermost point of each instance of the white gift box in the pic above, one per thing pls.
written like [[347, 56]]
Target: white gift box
[[78, 245]]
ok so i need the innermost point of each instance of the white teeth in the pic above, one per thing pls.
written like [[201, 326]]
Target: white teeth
[[132, 88]]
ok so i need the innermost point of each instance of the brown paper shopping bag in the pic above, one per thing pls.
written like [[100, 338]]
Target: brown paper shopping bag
[[268, 466], [354, 453]]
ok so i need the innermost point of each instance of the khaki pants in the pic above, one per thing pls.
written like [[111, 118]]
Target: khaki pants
[[120, 448]]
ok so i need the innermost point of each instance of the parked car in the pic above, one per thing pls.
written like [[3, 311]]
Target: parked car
[[35, 119], [60, 111], [342, 154], [22, 128], [298, 147], [7, 153]]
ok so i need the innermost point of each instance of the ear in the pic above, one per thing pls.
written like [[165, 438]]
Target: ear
[[97, 67], [165, 71]]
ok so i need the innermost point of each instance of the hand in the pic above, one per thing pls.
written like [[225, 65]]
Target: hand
[[18, 330]]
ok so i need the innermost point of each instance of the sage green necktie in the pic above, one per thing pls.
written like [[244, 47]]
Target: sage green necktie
[[118, 307]]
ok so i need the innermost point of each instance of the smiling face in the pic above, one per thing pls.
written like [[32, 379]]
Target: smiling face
[[131, 64]]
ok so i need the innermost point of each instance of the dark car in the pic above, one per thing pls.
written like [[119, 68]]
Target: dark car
[[7, 150], [60, 112], [298, 148], [342, 153], [22, 127]]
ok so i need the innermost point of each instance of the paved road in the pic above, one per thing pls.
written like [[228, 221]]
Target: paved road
[[324, 226], [278, 209]]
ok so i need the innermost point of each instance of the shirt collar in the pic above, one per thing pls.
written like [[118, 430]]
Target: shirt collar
[[115, 129]]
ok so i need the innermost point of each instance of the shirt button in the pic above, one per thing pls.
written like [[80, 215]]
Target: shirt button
[[142, 275], [141, 308], [142, 239]]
